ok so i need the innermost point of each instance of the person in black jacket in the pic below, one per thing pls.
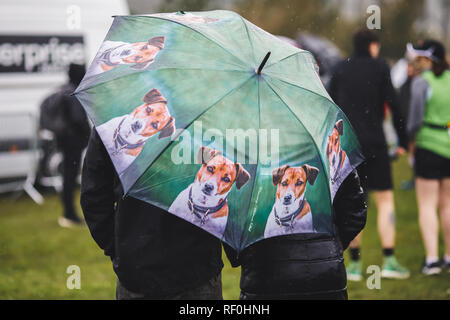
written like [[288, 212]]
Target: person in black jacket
[[304, 266], [71, 141], [155, 255], [360, 86]]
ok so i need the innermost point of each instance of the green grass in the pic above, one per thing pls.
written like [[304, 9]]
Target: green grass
[[35, 253]]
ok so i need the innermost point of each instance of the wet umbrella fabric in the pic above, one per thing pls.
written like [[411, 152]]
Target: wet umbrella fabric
[[196, 123]]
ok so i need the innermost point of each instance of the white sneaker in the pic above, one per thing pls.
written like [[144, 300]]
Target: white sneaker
[[69, 223], [431, 268]]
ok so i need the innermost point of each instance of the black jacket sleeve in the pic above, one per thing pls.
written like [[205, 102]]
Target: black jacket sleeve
[[97, 194], [231, 255], [391, 98], [350, 209]]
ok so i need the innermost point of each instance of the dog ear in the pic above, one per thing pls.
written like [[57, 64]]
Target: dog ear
[[205, 154], [278, 173], [153, 96], [340, 127], [242, 176], [168, 129], [328, 146], [157, 42], [311, 173]]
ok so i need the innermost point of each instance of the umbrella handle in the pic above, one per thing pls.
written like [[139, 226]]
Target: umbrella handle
[[261, 66]]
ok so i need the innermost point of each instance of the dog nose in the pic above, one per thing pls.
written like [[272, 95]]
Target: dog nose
[[135, 126], [125, 52], [288, 198], [208, 188]]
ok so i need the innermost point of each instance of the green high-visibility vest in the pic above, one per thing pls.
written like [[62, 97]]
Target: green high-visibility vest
[[437, 114]]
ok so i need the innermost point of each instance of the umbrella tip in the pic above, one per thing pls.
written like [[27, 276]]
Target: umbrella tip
[[261, 66]]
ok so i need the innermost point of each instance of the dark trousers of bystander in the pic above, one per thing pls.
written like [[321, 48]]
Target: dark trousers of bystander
[[71, 168]]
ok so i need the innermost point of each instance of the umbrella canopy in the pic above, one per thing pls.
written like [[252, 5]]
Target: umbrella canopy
[[220, 123]]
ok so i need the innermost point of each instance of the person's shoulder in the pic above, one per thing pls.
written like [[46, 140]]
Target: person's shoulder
[[381, 63], [67, 89], [341, 66]]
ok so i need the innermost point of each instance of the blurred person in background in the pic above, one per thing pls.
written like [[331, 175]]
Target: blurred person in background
[[416, 64], [360, 86], [72, 130], [429, 131]]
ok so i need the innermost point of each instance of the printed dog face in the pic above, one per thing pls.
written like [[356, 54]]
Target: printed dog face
[[148, 119], [334, 143], [216, 176], [291, 185], [139, 53]]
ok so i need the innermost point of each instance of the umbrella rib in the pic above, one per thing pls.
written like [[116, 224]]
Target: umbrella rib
[[300, 121], [305, 89], [187, 125], [168, 180], [291, 55], [142, 71], [257, 166], [249, 40], [191, 28]]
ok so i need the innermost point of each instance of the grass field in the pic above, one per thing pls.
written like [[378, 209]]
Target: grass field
[[35, 253]]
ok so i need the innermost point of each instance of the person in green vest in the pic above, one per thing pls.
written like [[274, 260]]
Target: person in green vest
[[429, 130]]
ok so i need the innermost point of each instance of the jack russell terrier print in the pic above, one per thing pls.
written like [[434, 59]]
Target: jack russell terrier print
[[125, 136], [337, 157], [204, 202], [114, 53], [291, 212]]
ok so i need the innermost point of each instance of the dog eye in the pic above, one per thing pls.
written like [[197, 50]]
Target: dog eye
[[299, 183], [148, 110], [226, 179], [284, 183], [155, 125], [210, 169]]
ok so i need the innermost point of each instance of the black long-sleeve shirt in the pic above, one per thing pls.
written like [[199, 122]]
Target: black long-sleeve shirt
[[360, 86]]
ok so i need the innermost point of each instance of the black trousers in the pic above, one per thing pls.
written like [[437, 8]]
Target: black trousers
[[211, 290], [71, 168]]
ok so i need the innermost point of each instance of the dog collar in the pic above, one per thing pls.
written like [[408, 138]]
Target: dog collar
[[105, 56], [121, 143], [338, 170], [106, 60], [288, 221], [203, 212]]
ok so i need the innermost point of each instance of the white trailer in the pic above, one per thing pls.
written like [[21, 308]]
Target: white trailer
[[38, 40]]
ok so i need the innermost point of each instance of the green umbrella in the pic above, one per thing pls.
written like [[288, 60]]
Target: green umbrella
[[220, 123]]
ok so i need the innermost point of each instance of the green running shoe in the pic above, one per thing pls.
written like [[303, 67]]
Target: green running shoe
[[393, 270], [354, 271]]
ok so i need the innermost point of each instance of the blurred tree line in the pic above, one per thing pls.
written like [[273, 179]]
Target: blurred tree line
[[320, 17]]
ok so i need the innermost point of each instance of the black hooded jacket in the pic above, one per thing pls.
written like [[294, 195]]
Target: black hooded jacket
[[302, 266], [153, 252], [360, 86]]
